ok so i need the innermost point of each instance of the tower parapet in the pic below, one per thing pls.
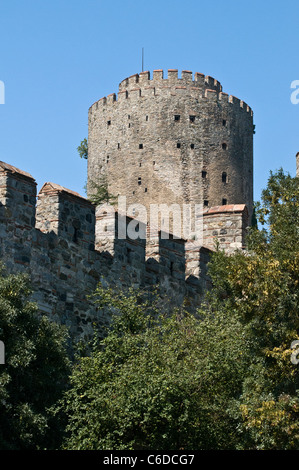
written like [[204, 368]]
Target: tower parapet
[[17, 215], [67, 214], [160, 81]]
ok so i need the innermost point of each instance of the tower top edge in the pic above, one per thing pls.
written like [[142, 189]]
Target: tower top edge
[[158, 75], [196, 84]]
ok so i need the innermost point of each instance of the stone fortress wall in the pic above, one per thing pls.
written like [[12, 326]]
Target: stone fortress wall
[[61, 240]]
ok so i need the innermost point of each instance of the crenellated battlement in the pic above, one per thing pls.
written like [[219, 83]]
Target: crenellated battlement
[[67, 245], [172, 79], [141, 85]]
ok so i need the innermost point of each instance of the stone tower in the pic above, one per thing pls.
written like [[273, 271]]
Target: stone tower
[[173, 141]]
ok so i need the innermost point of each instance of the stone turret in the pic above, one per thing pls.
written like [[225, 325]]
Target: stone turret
[[173, 141]]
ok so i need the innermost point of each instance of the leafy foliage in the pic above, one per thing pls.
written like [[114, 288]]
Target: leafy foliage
[[35, 371], [83, 149], [222, 379], [99, 192], [157, 381], [261, 287]]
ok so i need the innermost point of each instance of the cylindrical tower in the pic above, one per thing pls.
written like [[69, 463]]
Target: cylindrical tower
[[173, 140]]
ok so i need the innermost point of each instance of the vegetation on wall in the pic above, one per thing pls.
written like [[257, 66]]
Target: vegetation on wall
[[83, 149], [99, 192]]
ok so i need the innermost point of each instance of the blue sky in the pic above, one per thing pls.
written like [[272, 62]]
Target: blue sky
[[58, 57]]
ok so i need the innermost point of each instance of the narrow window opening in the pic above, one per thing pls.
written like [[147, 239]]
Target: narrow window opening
[[154, 163], [224, 122], [177, 117], [224, 202], [192, 118], [171, 267], [206, 203], [178, 145], [146, 118], [224, 146], [76, 226], [118, 145], [192, 146], [129, 117], [129, 125], [139, 180], [224, 177], [204, 174], [108, 158], [75, 236], [141, 146], [145, 190], [129, 254], [108, 123]]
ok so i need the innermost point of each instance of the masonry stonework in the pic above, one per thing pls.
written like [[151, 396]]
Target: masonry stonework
[[165, 141], [173, 140], [60, 241]]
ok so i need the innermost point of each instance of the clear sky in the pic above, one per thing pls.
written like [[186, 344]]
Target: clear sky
[[57, 57]]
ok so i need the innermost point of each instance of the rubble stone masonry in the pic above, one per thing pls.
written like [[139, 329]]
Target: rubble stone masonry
[[59, 238], [173, 140], [159, 141]]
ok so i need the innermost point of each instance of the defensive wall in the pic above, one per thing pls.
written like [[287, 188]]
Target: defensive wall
[[61, 240]]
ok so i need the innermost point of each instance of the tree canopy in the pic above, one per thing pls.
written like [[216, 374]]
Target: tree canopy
[[220, 379], [157, 381], [35, 372]]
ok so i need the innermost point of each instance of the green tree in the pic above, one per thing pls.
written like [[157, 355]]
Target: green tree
[[260, 286], [83, 149], [99, 192], [35, 371], [157, 381]]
